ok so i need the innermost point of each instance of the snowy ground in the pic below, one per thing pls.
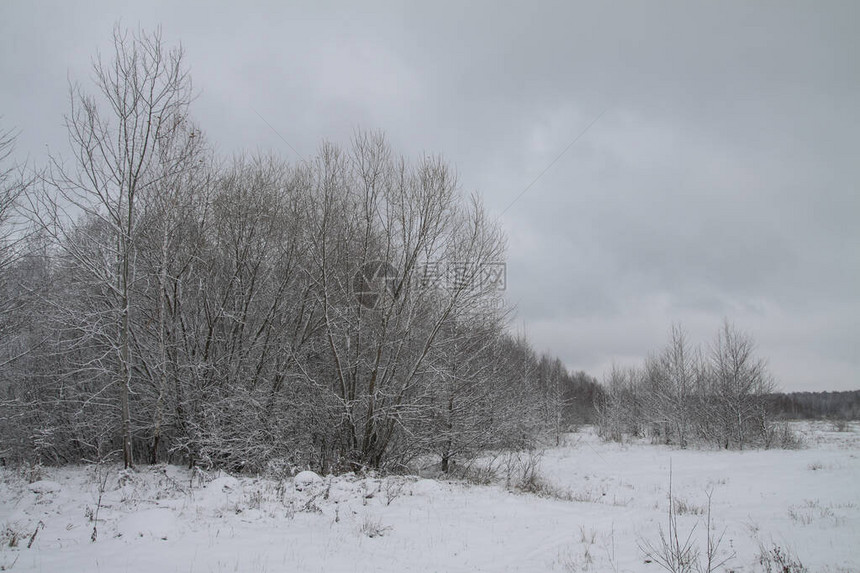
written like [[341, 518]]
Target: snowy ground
[[599, 505]]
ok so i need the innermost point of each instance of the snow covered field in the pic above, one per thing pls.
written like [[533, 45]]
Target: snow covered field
[[598, 505]]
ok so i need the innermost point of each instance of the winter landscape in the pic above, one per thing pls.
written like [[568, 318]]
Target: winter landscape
[[432, 287], [585, 505]]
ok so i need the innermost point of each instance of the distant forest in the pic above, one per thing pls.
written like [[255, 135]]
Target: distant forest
[[583, 391], [815, 405]]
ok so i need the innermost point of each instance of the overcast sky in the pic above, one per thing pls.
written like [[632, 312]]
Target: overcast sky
[[722, 179]]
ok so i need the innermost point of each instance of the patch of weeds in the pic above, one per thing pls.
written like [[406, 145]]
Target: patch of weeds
[[10, 536], [168, 487], [31, 472], [678, 552], [126, 477], [812, 511], [587, 537], [393, 488], [310, 506], [579, 559], [373, 527], [255, 499], [289, 511], [779, 560], [530, 482], [597, 494], [520, 468], [683, 507], [781, 436], [587, 495], [517, 469], [257, 565], [478, 474], [369, 489], [16, 537], [609, 548], [199, 477], [537, 485]]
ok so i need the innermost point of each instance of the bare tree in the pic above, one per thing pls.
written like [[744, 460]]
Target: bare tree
[[620, 408], [683, 396], [12, 317], [126, 141], [371, 208], [13, 238], [12, 185], [739, 382], [673, 381], [463, 416], [553, 376], [249, 320], [170, 233]]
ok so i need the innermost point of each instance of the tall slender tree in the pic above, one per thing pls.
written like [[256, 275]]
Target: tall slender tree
[[126, 140]]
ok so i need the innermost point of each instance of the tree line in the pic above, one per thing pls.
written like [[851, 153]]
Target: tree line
[[815, 405], [686, 395], [162, 304]]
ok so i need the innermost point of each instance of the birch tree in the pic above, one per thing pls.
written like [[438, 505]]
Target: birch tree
[[740, 381]]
